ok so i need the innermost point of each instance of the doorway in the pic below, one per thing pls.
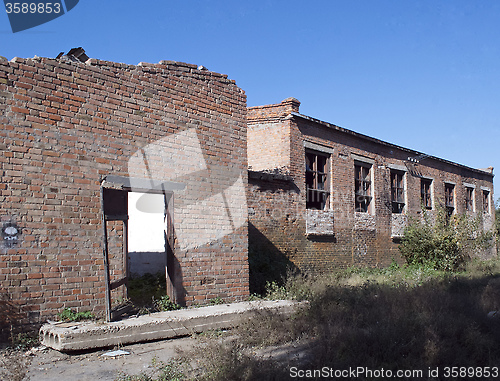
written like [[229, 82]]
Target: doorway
[[148, 208], [147, 248]]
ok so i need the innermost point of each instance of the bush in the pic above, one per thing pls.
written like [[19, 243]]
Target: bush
[[142, 289], [497, 223], [165, 304], [69, 315], [445, 243]]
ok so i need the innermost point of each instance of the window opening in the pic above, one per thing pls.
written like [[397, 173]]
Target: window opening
[[469, 199], [425, 193], [449, 198], [397, 192], [362, 187], [486, 201], [317, 180]]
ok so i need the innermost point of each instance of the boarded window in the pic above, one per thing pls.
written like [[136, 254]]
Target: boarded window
[[397, 191], [362, 187], [449, 198], [469, 199], [317, 180], [425, 193]]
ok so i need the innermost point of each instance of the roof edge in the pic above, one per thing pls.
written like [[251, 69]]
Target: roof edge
[[488, 171]]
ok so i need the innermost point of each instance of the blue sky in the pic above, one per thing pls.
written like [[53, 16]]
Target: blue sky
[[421, 74]]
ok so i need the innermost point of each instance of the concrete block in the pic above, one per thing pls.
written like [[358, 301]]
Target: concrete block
[[67, 337]]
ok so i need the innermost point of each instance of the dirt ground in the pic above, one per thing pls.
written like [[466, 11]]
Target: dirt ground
[[46, 364]]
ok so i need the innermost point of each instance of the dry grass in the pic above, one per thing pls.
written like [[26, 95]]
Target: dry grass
[[397, 318]]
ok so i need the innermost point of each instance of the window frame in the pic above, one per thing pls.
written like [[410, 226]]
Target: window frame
[[313, 190], [398, 203], [363, 200], [426, 193], [469, 202], [486, 201], [449, 198]]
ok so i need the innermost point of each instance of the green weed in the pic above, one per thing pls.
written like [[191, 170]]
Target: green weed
[[143, 289], [216, 301], [443, 242], [170, 371], [163, 303], [69, 315]]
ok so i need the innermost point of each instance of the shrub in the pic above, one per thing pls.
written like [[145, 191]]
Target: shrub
[[165, 304], [497, 223], [69, 315], [25, 340], [445, 243], [142, 289]]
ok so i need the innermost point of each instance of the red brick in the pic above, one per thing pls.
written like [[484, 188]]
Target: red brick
[[21, 110], [74, 150]]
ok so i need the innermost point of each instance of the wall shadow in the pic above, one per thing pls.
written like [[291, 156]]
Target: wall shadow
[[175, 274], [267, 263], [322, 238], [10, 316], [270, 182]]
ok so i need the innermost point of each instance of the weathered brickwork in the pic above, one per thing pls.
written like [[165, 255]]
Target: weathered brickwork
[[269, 142], [67, 125], [338, 235]]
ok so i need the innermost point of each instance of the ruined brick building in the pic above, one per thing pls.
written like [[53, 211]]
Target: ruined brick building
[[78, 139], [109, 170], [321, 196]]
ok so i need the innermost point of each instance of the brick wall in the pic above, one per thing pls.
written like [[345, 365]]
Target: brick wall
[[321, 240], [269, 142], [66, 125]]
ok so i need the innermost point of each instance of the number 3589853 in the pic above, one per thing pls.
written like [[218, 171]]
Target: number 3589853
[[33, 8]]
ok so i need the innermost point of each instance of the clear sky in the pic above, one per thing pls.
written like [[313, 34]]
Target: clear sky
[[421, 74]]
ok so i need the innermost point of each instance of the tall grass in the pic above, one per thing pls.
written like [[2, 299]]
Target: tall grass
[[398, 318]]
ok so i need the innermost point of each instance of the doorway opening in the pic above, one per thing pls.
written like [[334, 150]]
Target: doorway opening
[[146, 256], [139, 270]]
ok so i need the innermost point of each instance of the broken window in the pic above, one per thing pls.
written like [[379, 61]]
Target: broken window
[[397, 191], [449, 198], [362, 187], [425, 193], [486, 201], [469, 199], [317, 180]]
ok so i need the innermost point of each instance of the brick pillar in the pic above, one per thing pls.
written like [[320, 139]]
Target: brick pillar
[[291, 105]]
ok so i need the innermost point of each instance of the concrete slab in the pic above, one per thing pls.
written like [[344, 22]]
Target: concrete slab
[[161, 325]]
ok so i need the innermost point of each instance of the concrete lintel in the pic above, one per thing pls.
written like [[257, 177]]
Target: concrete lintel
[[140, 185], [318, 147], [268, 176], [397, 167], [363, 159], [67, 337]]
